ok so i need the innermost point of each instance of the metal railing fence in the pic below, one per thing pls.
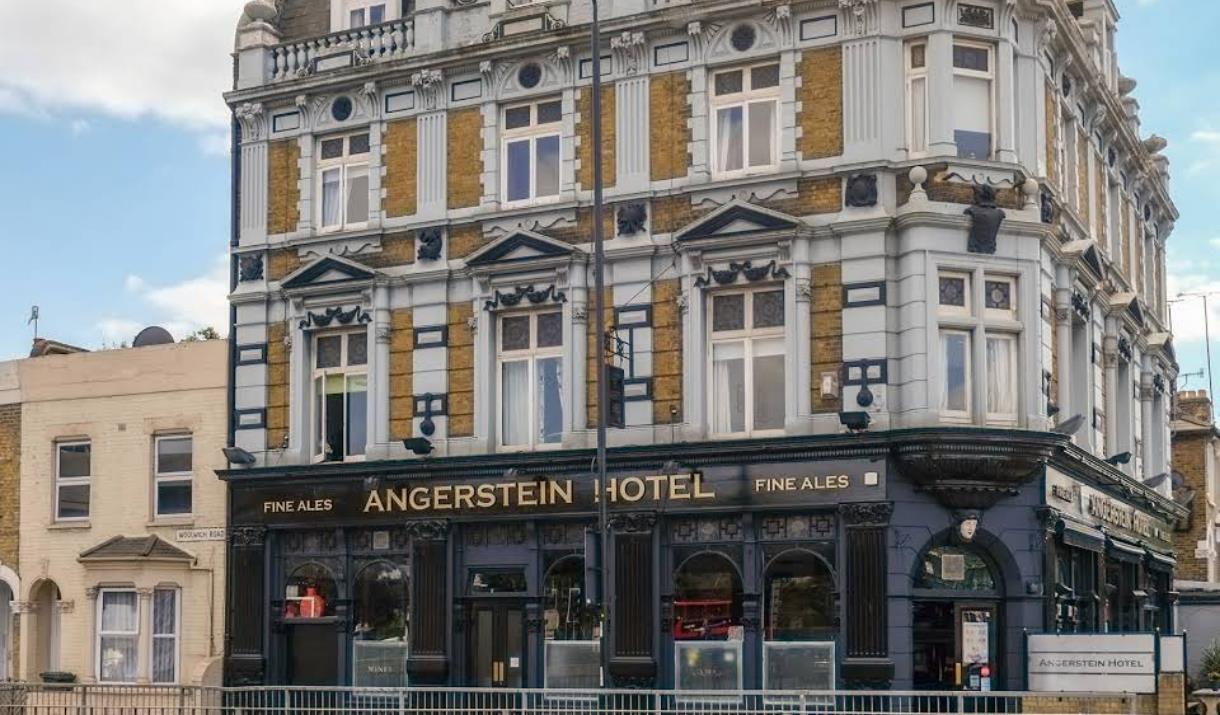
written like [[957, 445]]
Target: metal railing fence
[[49, 699]]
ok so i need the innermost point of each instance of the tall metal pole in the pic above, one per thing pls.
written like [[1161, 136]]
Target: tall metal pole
[[1207, 338], [599, 310]]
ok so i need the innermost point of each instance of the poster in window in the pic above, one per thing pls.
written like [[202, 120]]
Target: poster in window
[[953, 567], [976, 641]]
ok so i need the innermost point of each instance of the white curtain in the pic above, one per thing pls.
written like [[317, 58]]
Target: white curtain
[[762, 133], [119, 628], [1001, 375], [550, 400], [165, 636], [769, 387], [331, 194], [357, 194], [515, 403], [728, 388], [729, 138], [954, 349]]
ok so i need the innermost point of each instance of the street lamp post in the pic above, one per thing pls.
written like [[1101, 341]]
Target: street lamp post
[[1207, 335]]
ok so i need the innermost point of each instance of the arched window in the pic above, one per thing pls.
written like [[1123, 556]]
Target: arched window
[[955, 568], [310, 592], [798, 623], [573, 653], [707, 623], [380, 626]]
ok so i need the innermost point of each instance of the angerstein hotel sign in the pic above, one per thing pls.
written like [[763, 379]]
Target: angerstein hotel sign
[[1101, 510], [763, 485]]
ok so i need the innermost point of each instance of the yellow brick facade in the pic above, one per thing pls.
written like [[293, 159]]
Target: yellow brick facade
[[669, 127], [666, 352], [1052, 135], [402, 373], [826, 314], [401, 166], [821, 115], [283, 189], [584, 130], [277, 386], [465, 160], [461, 370]]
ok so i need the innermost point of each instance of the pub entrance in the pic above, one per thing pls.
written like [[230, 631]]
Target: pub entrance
[[956, 621], [495, 629]]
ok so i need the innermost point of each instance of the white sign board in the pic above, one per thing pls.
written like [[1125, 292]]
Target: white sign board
[[211, 533], [976, 642], [1098, 662], [1173, 654]]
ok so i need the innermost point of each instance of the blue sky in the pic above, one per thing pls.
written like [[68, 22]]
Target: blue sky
[[115, 178]]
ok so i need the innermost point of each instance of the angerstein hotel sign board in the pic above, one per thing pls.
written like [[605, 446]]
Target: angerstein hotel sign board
[[1093, 507], [757, 485], [1101, 662]]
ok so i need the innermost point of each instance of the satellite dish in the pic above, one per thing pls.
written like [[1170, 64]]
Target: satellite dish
[[1070, 426], [152, 335]]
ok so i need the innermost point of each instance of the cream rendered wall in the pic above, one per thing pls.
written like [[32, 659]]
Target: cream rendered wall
[[120, 400]]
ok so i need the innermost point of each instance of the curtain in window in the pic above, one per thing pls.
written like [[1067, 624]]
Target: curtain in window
[[357, 194], [972, 112], [728, 388], [954, 353], [1001, 376], [357, 413], [515, 410], [165, 636], [550, 400], [769, 383], [119, 629], [330, 197], [762, 129], [919, 114], [729, 138], [547, 162]]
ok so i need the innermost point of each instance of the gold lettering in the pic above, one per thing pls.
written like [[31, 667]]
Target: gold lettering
[[637, 486], [504, 490], [612, 490], [463, 496], [679, 486], [442, 497], [561, 491], [699, 493], [759, 485], [789, 484], [396, 499], [422, 503], [658, 482], [487, 496], [527, 494]]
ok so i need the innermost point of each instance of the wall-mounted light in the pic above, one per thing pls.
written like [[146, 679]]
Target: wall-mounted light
[[418, 445], [855, 421], [237, 455]]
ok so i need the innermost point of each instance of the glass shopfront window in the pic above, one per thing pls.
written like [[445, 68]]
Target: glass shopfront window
[[380, 627], [1122, 607], [707, 630], [1076, 589], [310, 593], [573, 649], [799, 628]]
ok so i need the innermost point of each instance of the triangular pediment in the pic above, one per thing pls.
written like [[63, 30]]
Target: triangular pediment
[[737, 218], [1129, 304], [519, 247], [327, 271], [1086, 250]]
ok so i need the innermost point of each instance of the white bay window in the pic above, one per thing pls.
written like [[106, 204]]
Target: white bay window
[[747, 362], [340, 404], [343, 182], [962, 327], [530, 359], [165, 621], [118, 636], [973, 104], [530, 148], [745, 113], [917, 98]]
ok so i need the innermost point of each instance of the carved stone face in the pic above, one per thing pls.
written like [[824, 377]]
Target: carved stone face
[[968, 528]]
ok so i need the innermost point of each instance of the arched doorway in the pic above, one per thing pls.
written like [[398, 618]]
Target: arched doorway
[[309, 625], [707, 627], [572, 655], [956, 619], [45, 598], [798, 622]]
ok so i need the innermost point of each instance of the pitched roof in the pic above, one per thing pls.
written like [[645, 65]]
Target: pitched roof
[[135, 548]]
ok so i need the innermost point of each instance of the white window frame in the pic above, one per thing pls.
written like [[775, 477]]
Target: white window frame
[[99, 634], [176, 636], [345, 163], [977, 323], [531, 355], [1005, 418], [917, 146], [317, 419], [532, 133], [947, 413], [743, 99], [989, 75], [160, 477], [73, 481], [341, 12], [747, 336]]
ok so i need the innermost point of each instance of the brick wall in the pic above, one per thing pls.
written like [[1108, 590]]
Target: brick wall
[[669, 128], [1082, 176], [1052, 136], [402, 373], [670, 213], [277, 385], [940, 188], [826, 313], [584, 130], [821, 94], [401, 165], [1048, 305], [1125, 246], [666, 352], [282, 262], [1171, 694], [461, 371], [397, 249], [1062, 705], [1190, 448], [10, 483], [1124, 228], [592, 352], [465, 239], [300, 19], [465, 149], [283, 192], [1101, 188], [813, 196]]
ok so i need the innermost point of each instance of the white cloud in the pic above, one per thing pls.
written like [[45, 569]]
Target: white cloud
[[168, 59], [1187, 311], [180, 308], [215, 143], [79, 127]]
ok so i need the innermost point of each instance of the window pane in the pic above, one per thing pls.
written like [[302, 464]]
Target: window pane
[[550, 112], [517, 170], [762, 133], [376, 14], [357, 413], [799, 600], [74, 501], [118, 659], [329, 351], [955, 352], [729, 140], [998, 295], [119, 612], [515, 415], [573, 664], [764, 77], [547, 181], [728, 312], [1001, 375], [174, 498], [728, 388], [918, 56], [550, 330], [74, 459], [379, 664], [516, 117], [768, 309], [356, 19], [953, 291], [358, 144], [357, 194], [729, 83], [515, 333], [704, 666], [332, 148], [769, 384], [919, 114], [319, 405], [331, 191], [972, 117], [971, 58], [799, 666], [164, 660], [358, 348], [333, 407], [550, 400], [381, 603], [165, 602], [174, 455]]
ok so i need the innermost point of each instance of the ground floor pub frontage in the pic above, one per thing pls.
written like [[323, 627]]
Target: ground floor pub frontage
[[794, 563]]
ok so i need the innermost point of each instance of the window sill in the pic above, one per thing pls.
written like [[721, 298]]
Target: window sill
[[179, 521], [70, 525]]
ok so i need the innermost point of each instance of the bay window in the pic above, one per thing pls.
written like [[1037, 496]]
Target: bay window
[[973, 104], [172, 474], [747, 386], [73, 467], [530, 359], [707, 628], [917, 97], [165, 620], [343, 182], [118, 635], [745, 116], [530, 147], [994, 331], [340, 404], [799, 623]]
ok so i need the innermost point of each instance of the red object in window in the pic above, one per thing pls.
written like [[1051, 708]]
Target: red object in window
[[313, 605], [702, 620]]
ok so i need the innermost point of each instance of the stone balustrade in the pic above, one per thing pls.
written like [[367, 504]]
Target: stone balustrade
[[347, 48]]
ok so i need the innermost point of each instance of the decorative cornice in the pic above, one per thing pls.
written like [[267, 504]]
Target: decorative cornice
[[427, 529], [535, 297], [863, 514], [337, 314], [633, 523], [751, 272]]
